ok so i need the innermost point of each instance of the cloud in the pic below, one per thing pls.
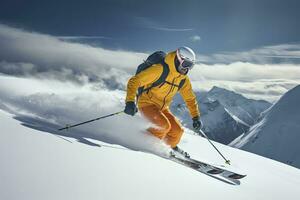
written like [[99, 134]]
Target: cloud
[[283, 53], [78, 38], [268, 81], [26, 53], [170, 29], [195, 38], [34, 55], [82, 37], [151, 24], [245, 72]]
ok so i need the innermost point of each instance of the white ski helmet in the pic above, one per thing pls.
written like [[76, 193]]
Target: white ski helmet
[[186, 58]]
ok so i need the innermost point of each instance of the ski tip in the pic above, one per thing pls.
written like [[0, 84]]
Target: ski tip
[[237, 176]]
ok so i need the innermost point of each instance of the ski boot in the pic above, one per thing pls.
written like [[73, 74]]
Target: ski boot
[[177, 151]]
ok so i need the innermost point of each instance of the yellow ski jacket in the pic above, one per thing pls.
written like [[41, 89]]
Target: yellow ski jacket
[[161, 96]]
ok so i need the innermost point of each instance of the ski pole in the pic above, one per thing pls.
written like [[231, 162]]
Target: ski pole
[[226, 161], [71, 126]]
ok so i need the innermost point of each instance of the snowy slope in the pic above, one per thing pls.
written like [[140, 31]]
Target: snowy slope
[[39, 165], [277, 135]]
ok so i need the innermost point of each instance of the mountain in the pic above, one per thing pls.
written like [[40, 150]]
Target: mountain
[[247, 110], [276, 135], [219, 125], [223, 113], [39, 165]]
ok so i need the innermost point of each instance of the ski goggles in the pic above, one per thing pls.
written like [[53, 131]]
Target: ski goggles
[[185, 63]]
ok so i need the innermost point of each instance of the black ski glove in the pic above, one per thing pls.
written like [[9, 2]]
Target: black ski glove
[[197, 124], [130, 108]]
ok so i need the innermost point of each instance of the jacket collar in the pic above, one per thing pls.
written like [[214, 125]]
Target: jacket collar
[[170, 60]]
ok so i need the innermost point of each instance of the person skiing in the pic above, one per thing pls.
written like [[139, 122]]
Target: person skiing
[[153, 102]]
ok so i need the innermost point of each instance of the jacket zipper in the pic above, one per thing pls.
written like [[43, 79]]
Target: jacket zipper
[[169, 92]]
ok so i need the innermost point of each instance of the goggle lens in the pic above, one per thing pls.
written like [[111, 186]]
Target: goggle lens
[[187, 64]]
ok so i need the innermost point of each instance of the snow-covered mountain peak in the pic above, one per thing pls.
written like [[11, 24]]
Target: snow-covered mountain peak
[[226, 114], [287, 105], [224, 94], [247, 110], [277, 135]]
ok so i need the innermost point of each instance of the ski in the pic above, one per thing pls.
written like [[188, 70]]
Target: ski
[[215, 171], [225, 171]]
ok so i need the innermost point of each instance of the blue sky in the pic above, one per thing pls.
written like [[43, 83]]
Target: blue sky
[[210, 27]]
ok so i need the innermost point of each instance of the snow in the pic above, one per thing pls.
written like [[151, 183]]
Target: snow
[[40, 165], [276, 135]]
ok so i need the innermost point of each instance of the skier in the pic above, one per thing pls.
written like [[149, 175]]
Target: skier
[[153, 102]]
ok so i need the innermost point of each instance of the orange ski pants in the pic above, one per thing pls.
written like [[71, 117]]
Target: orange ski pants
[[166, 126]]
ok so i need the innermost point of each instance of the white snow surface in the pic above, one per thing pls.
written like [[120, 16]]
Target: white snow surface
[[40, 165]]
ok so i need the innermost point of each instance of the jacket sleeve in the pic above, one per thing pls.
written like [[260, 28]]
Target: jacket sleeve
[[190, 98], [145, 77]]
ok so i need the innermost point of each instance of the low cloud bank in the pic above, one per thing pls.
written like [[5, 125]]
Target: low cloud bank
[[35, 55]]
